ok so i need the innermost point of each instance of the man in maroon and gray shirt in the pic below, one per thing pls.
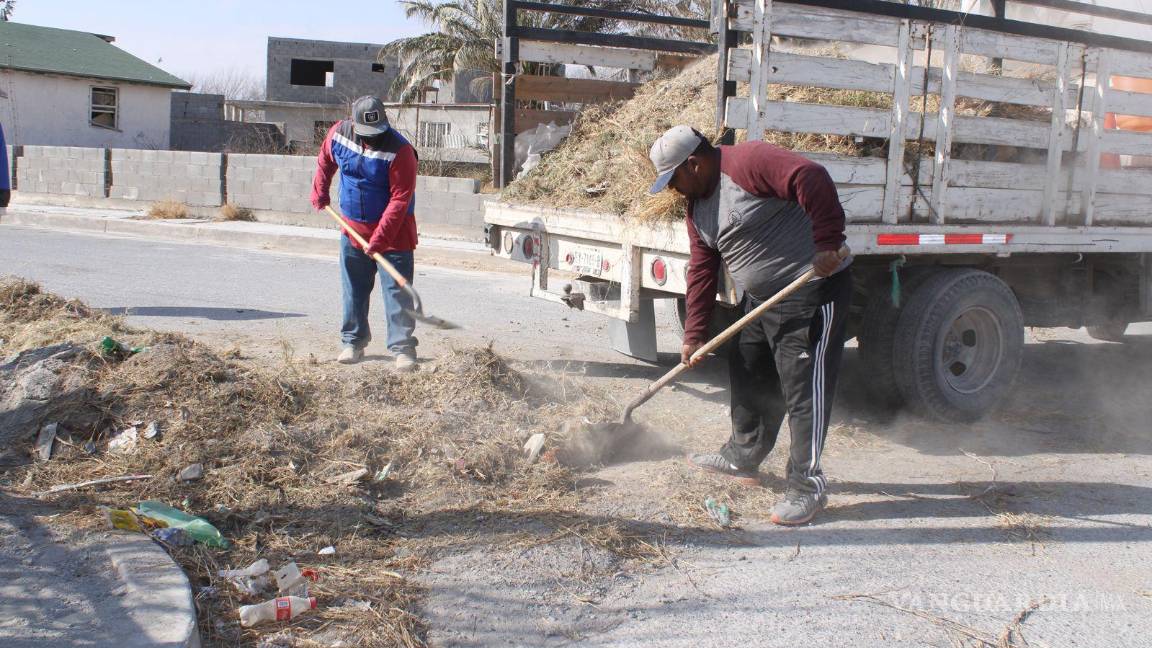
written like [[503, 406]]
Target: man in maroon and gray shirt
[[767, 214]]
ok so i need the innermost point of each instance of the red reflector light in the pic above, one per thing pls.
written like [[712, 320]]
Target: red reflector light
[[898, 239], [528, 246], [605, 266], [659, 271], [963, 239], [569, 259]]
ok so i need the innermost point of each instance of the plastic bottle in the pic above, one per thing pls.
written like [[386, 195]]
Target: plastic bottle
[[278, 609], [197, 527]]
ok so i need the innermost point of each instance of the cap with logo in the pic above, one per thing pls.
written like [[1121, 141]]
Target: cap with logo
[[368, 116], [670, 151]]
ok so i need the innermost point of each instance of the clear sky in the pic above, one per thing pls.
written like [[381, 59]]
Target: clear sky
[[202, 36]]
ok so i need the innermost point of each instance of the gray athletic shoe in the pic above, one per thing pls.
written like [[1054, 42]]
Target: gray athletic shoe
[[406, 361], [797, 507], [350, 355], [716, 463]]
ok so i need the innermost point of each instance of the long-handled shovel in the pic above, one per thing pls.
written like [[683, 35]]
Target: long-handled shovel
[[417, 310], [598, 440]]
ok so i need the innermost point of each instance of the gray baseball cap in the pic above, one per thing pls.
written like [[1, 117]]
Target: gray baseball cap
[[368, 116], [670, 151]]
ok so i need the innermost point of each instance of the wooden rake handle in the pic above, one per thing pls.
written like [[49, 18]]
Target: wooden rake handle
[[388, 267], [725, 335]]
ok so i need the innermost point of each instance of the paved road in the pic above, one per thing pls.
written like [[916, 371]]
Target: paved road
[[1073, 448], [257, 299]]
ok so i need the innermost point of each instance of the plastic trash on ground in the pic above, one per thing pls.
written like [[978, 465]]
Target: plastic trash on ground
[[253, 579], [718, 512], [124, 520], [173, 537], [117, 350], [278, 609], [198, 528], [290, 581], [124, 442], [45, 440]]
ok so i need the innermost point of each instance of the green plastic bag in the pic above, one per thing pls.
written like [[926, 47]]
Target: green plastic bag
[[197, 528]]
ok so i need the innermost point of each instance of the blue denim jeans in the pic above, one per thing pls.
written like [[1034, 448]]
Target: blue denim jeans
[[358, 275]]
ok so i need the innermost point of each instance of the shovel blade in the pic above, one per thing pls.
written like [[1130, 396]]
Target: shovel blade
[[431, 320]]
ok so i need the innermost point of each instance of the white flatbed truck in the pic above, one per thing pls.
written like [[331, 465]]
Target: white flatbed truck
[[954, 256]]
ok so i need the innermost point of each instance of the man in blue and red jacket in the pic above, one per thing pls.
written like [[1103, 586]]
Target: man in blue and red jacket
[[377, 198]]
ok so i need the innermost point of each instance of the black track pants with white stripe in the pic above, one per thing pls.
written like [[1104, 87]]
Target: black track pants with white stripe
[[786, 362]]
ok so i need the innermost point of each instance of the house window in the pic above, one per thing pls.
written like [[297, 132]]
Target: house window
[[320, 74], [105, 109], [433, 134], [379, 67], [482, 134]]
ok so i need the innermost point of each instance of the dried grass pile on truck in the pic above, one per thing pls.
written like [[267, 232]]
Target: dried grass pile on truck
[[603, 165]]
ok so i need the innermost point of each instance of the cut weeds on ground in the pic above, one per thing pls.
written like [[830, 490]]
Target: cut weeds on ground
[[391, 470]]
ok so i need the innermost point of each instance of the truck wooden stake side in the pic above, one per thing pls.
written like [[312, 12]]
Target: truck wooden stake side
[[970, 229]]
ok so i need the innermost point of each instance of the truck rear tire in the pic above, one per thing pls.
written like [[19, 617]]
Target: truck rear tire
[[723, 316], [877, 340], [958, 345]]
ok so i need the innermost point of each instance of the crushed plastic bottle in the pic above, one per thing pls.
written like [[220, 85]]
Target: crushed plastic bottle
[[197, 528], [718, 512], [117, 350], [277, 609]]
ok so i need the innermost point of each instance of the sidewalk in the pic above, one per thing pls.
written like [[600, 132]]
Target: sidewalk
[[243, 234], [73, 588]]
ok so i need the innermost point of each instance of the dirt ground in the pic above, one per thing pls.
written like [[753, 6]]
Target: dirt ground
[[1032, 525]]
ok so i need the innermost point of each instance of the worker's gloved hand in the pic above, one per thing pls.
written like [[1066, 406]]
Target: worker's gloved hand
[[320, 202], [687, 350], [5, 197], [825, 263]]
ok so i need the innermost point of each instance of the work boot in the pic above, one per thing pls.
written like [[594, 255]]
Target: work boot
[[716, 463], [406, 361], [797, 507], [350, 355]]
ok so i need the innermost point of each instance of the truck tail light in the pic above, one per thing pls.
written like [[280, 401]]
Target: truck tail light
[[528, 246], [659, 271]]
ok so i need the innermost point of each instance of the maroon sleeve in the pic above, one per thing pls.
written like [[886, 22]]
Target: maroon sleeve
[[402, 184], [702, 277], [767, 170], [325, 169]]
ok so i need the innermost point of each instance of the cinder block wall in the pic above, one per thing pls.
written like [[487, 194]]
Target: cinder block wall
[[270, 183], [449, 201], [188, 177], [280, 183], [65, 170]]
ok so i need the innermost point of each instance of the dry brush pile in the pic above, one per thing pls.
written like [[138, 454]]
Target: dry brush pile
[[603, 165], [294, 460]]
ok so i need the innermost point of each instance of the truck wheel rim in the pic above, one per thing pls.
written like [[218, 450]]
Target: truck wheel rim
[[971, 350]]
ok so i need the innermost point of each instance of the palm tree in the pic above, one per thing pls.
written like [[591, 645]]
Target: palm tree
[[465, 32]]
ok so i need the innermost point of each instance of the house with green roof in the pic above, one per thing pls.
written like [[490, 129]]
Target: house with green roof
[[60, 87]]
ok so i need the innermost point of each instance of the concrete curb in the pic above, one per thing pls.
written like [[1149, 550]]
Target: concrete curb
[[252, 236], [157, 594], [186, 231]]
